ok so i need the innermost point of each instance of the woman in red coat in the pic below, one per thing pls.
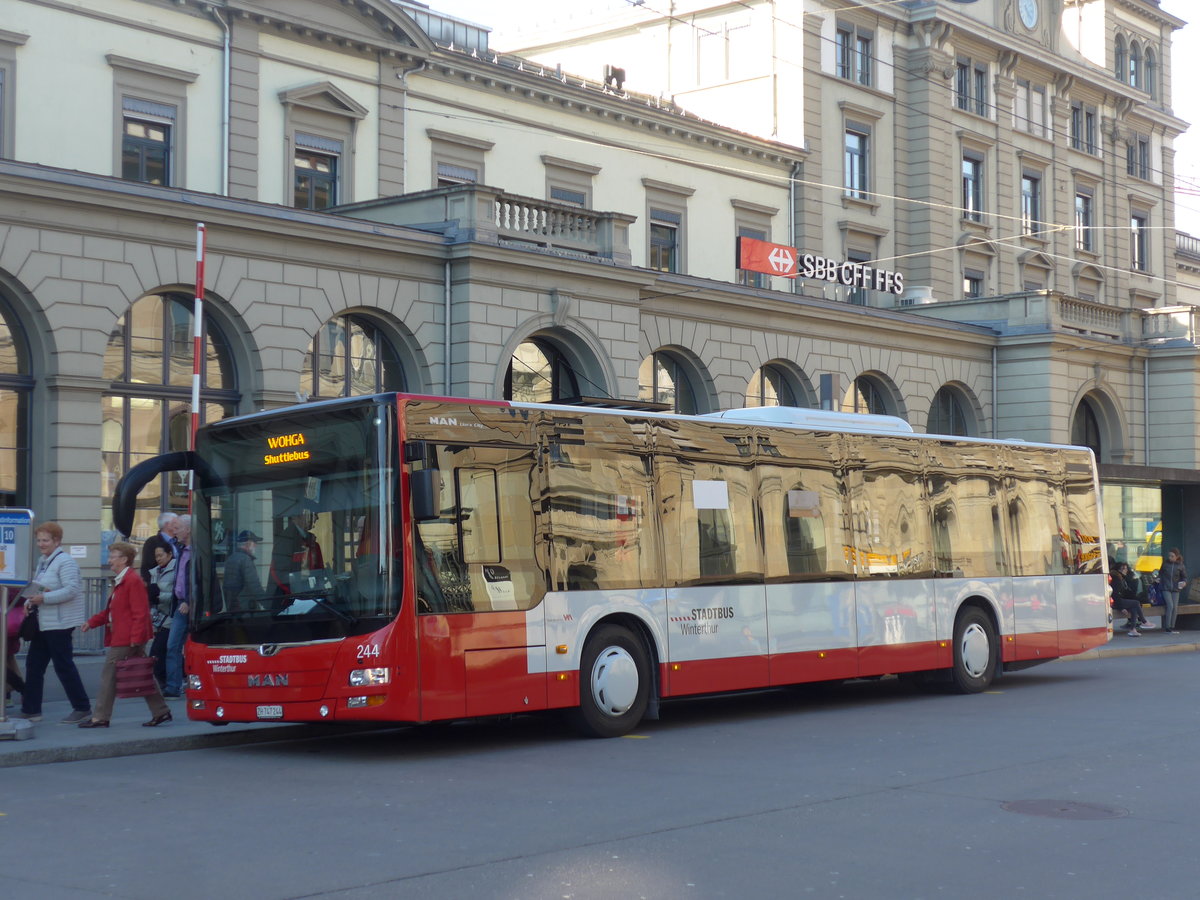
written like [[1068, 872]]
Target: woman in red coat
[[127, 629]]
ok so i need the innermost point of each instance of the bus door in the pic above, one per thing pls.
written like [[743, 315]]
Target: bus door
[[716, 600], [965, 486], [890, 552], [1037, 526], [478, 586], [810, 586]]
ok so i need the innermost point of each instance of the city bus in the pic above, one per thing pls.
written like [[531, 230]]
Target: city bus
[[426, 559]]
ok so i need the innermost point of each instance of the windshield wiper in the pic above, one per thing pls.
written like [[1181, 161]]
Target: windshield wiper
[[337, 612], [217, 619], [315, 601]]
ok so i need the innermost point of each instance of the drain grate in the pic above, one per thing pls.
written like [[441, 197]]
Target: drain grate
[[1064, 809]]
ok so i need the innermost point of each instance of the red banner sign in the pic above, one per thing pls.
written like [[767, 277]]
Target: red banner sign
[[765, 257]]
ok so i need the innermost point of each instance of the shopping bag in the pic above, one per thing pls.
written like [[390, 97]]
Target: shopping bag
[[135, 676]]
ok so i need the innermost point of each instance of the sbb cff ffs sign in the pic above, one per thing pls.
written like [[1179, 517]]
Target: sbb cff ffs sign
[[775, 259]]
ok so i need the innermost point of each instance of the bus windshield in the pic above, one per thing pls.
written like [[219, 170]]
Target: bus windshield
[[292, 539]]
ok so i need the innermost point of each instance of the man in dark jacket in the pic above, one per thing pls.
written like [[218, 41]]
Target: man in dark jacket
[[164, 537], [242, 584]]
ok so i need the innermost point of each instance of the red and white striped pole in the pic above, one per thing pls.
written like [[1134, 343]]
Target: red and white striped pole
[[197, 350]]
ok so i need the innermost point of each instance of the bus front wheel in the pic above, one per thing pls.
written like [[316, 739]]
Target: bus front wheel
[[614, 683], [976, 650]]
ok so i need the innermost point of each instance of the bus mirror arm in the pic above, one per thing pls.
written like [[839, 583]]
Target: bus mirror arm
[[124, 501]]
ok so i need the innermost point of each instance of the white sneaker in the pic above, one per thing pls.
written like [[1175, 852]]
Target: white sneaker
[[1133, 632], [1147, 626]]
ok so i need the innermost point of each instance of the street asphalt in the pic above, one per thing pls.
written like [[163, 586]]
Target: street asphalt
[[50, 741]]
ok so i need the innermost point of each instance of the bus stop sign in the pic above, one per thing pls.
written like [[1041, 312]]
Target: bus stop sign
[[16, 547]]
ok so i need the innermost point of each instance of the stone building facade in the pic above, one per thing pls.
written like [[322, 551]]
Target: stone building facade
[[390, 203]]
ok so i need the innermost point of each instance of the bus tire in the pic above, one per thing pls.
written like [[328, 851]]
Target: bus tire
[[976, 651], [614, 683]]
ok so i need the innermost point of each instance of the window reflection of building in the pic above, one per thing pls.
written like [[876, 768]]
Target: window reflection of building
[[350, 357], [540, 373], [661, 379], [147, 408], [15, 385], [770, 387], [864, 396]]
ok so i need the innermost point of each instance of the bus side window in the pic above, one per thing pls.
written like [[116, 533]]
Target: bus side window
[[599, 500], [479, 515], [1041, 542]]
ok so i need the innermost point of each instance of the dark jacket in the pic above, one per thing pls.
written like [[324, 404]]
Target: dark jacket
[[148, 561]]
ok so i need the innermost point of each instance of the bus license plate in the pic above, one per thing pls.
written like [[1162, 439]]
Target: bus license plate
[[270, 712]]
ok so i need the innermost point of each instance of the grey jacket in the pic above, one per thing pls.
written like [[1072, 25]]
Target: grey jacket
[[1171, 574], [63, 605]]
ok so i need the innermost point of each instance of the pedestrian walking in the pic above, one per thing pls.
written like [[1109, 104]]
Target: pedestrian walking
[[59, 605], [127, 628], [1174, 579]]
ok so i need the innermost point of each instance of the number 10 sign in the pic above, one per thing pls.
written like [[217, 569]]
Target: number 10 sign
[[16, 546]]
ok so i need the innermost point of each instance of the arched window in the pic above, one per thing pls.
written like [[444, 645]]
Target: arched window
[[1085, 428], [661, 379], [865, 396], [1150, 79], [15, 386], [1135, 64], [147, 408], [349, 357], [771, 386], [1119, 58], [539, 373], [948, 414]]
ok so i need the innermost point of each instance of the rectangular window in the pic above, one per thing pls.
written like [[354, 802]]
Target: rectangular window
[[962, 84], [971, 87], [972, 285], [1031, 204], [855, 54], [315, 179], [146, 142], [857, 181], [664, 240], [1138, 241], [857, 295], [1083, 127], [1029, 109], [1083, 222], [1137, 157], [568, 196], [449, 174], [972, 187], [752, 279]]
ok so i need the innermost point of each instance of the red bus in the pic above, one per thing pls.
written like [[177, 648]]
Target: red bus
[[424, 559]]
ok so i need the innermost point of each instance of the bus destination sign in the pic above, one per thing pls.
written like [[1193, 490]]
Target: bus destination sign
[[286, 448]]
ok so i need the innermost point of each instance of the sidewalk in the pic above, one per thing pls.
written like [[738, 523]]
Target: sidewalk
[[54, 742]]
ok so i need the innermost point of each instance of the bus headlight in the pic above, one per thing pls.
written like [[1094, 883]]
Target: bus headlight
[[366, 677]]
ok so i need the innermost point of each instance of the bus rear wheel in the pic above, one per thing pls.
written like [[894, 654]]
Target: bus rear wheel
[[976, 651], [614, 683]]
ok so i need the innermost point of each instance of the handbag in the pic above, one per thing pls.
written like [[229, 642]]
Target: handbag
[[29, 625], [16, 615], [135, 676]]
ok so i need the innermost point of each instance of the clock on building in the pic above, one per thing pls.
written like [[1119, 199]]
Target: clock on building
[[1029, 12]]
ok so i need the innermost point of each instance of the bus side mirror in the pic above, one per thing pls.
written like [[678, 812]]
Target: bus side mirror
[[425, 486]]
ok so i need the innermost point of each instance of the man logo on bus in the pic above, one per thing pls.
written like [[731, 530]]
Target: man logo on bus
[[443, 420], [266, 681]]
